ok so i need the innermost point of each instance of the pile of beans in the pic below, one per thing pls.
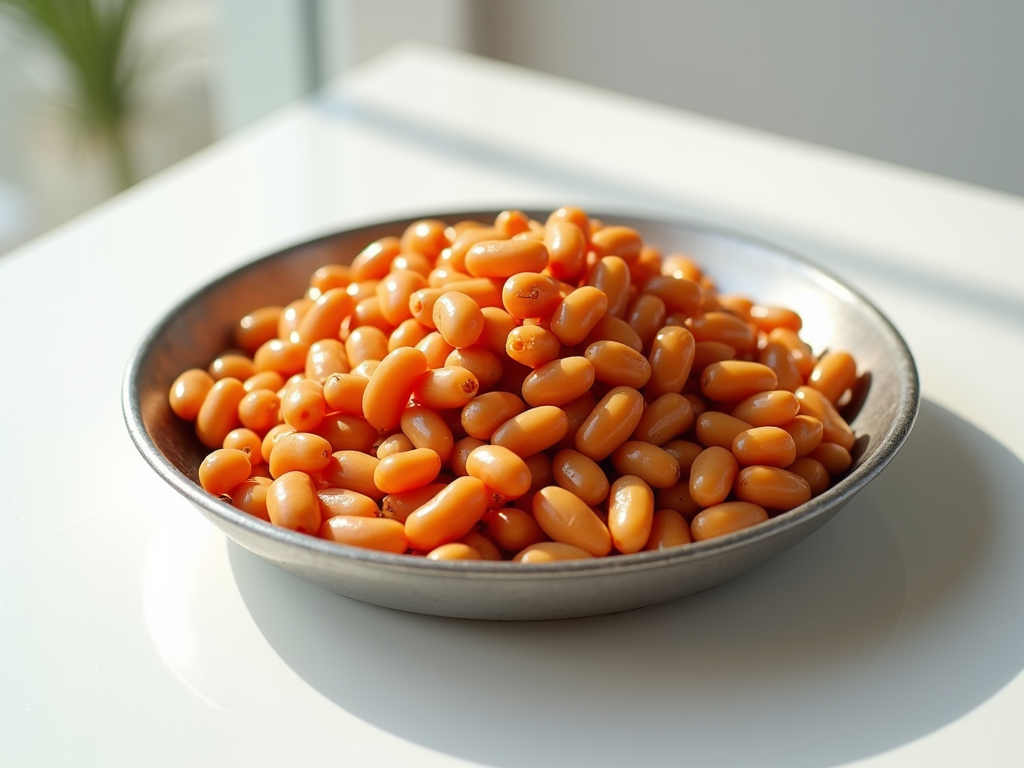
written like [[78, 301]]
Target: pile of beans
[[518, 390]]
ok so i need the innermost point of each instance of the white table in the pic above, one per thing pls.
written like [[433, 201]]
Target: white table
[[133, 633]]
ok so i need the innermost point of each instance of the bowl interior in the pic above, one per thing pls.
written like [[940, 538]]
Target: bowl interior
[[200, 327]]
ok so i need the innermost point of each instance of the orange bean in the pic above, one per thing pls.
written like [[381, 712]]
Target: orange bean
[[500, 469], [365, 532], [398, 506], [272, 436], [285, 357], [246, 441], [456, 550], [797, 348], [624, 242], [771, 446], [427, 236], [771, 487], [611, 423], [324, 358], [630, 513], [611, 276], [426, 428], [330, 276], [719, 429], [458, 319], [237, 366], [271, 380], [530, 294], [581, 475], [711, 476], [374, 261], [353, 471], [813, 472], [257, 328], [188, 392], [292, 503], [567, 250], [571, 214], [707, 352], [779, 358], [576, 411], [512, 529], [726, 328], [467, 239], [578, 314], [450, 514], [290, 317], [558, 382], [680, 265], [259, 410], [816, 404], [568, 519], [768, 318], [484, 546], [223, 470], [668, 529], [435, 348], [732, 380], [613, 328], [684, 453], [343, 392], [366, 342], [395, 443], [407, 333], [677, 498], [218, 414], [250, 496], [678, 294], [504, 258], [342, 501], [532, 431], [806, 432], [647, 316], [485, 413], [446, 387], [834, 373], [773, 408], [723, 519], [303, 405], [460, 454], [498, 324], [532, 345], [390, 386], [482, 363], [835, 458], [671, 360], [407, 470], [299, 451], [323, 319], [663, 419], [652, 464], [550, 552], [618, 365], [347, 432]]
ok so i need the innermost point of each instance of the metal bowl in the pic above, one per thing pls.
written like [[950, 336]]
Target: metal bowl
[[197, 330]]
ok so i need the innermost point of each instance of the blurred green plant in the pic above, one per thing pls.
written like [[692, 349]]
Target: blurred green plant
[[93, 39]]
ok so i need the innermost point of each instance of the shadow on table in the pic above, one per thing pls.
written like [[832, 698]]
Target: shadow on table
[[897, 618]]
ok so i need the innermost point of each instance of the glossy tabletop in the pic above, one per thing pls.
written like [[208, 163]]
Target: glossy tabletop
[[133, 633]]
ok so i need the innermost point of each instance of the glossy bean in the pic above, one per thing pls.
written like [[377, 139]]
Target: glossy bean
[[303, 405], [512, 529], [711, 476], [323, 319], [343, 392], [530, 294], [188, 392], [435, 349], [292, 503], [806, 432], [835, 429], [504, 258], [485, 413], [460, 454], [532, 431], [301, 452], [567, 250], [395, 443], [630, 513], [223, 470], [723, 519], [426, 428], [450, 514], [406, 470], [500, 469], [833, 375], [797, 348], [407, 333], [550, 552], [271, 380], [558, 382], [246, 441], [218, 414], [771, 487], [668, 529], [455, 550], [734, 380], [374, 261], [398, 506], [250, 496], [646, 314], [374, 533], [342, 501], [284, 356], [611, 423], [611, 276], [677, 497], [532, 345], [771, 446], [581, 475], [655, 466], [390, 386], [707, 352], [611, 328], [324, 358], [483, 545], [813, 472], [393, 293], [719, 429], [347, 432], [257, 328], [663, 419], [618, 365], [773, 408], [482, 363], [726, 328], [458, 319], [677, 293], [835, 458], [353, 471], [624, 242], [446, 387], [366, 342], [567, 518], [779, 358], [671, 360]]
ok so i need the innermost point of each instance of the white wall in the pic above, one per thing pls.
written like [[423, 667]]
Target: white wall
[[933, 84]]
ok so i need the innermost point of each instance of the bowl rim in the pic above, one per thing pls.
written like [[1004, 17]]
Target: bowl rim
[[906, 412]]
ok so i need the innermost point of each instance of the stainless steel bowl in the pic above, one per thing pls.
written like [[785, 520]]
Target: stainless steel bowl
[[199, 328]]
